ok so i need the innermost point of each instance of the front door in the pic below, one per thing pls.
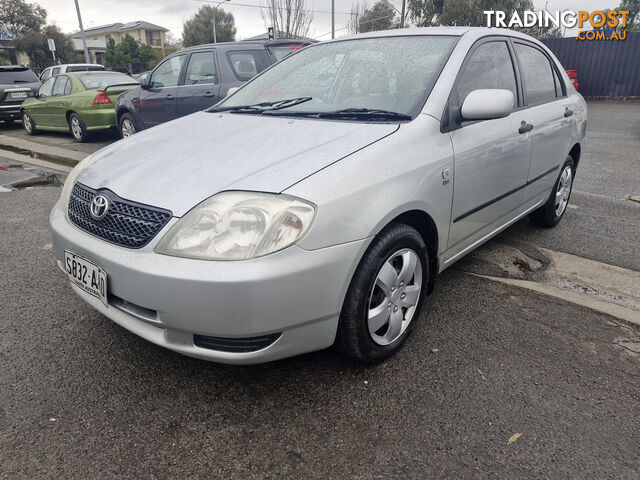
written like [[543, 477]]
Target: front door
[[491, 157], [39, 109], [158, 103], [201, 86]]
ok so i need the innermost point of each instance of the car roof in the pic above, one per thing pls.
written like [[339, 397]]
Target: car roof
[[474, 32], [251, 43]]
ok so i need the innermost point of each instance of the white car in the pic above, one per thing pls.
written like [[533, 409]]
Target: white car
[[70, 67]]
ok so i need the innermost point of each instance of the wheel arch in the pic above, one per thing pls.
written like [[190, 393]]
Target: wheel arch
[[575, 153], [428, 230]]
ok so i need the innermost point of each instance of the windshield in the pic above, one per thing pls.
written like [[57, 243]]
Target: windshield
[[386, 74], [100, 80]]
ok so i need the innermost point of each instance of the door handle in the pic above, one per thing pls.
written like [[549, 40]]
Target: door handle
[[525, 127], [209, 94], [169, 95], [567, 112]]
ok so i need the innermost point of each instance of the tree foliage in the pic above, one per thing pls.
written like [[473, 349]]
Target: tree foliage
[[127, 52], [292, 18], [198, 29], [633, 19], [379, 17], [18, 16], [461, 12], [34, 44]]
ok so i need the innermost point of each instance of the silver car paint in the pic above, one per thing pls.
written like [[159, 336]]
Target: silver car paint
[[361, 176]]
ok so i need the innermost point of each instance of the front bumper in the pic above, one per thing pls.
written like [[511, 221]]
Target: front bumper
[[9, 111], [295, 293]]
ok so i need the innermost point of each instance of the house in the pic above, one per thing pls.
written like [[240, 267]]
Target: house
[[141, 31], [96, 49], [8, 52]]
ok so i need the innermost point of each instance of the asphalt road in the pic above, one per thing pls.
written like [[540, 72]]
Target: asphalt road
[[81, 397]]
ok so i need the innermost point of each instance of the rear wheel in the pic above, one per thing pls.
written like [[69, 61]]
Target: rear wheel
[[385, 296], [78, 128], [550, 214], [127, 125], [27, 122]]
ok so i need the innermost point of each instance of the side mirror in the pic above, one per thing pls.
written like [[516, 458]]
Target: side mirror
[[144, 83], [232, 90], [486, 104]]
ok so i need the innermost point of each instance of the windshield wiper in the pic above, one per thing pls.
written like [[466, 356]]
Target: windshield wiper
[[262, 107], [365, 113]]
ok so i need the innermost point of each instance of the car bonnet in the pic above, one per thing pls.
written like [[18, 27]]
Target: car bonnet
[[179, 164]]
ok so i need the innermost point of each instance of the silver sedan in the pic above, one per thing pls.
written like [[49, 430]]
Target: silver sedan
[[316, 205]]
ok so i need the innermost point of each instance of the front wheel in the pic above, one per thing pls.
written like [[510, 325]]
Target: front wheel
[[385, 296], [78, 128], [127, 125], [27, 123], [550, 214]]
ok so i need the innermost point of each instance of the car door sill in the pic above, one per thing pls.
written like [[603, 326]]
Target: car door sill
[[489, 235]]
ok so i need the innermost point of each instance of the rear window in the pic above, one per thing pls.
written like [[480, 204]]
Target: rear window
[[10, 76], [85, 68], [281, 52], [247, 64], [100, 80]]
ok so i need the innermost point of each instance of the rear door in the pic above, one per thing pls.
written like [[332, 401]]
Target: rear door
[[491, 156], [548, 111], [158, 103], [200, 88]]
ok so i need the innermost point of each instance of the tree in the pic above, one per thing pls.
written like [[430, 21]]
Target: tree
[[379, 17], [292, 18], [18, 16], [357, 10], [198, 29], [127, 52], [34, 44], [633, 19]]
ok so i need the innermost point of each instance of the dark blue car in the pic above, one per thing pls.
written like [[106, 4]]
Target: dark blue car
[[194, 79]]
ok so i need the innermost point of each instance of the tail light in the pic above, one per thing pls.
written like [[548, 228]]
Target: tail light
[[101, 99]]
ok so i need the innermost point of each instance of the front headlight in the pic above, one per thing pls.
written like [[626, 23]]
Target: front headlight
[[238, 226], [70, 182]]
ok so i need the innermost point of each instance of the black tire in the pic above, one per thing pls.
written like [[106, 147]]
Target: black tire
[[27, 123], [127, 117], [353, 337], [78, 131], [547, 216]]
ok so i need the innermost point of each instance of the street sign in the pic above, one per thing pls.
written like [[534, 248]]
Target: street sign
[[52, 44]]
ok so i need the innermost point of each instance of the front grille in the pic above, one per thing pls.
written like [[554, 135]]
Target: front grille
[[126, 223]]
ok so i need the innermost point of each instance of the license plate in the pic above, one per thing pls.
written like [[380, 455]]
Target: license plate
[[19, 95], [86, 275]]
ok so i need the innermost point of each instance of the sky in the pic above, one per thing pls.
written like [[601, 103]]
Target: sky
[[172, 13]]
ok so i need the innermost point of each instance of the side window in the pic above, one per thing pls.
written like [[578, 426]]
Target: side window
[[56, 71], [490, 66], [246, 65], [168, 73], [201, 69], [537, 75], [60, 86], [46, 87], [68, 87], [46, 74]]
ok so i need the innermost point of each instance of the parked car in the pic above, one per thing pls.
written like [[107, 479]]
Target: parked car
[[261, 229], [70, 67], [77, 102], [194, 79], [17, 82]]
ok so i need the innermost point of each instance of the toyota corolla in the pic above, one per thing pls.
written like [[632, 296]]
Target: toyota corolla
[[317, 204]]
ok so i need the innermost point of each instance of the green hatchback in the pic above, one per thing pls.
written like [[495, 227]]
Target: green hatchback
[[78, 102]]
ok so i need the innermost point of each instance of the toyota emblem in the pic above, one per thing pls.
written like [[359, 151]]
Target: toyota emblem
[[99, 206]]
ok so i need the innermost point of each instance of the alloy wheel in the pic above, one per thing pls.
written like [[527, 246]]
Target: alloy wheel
[[127, 128], [76, 129], [395, 295], [26, 120], [564, 190]]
